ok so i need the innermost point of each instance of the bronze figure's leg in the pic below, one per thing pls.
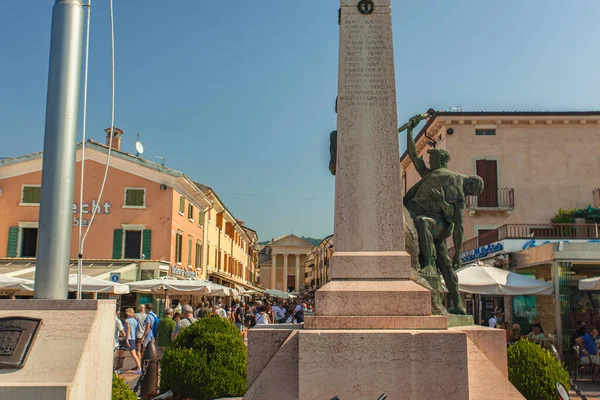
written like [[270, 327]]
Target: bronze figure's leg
[[444, 265], [425, 226]]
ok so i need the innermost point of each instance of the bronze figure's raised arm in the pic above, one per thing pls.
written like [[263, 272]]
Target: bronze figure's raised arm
[[436, 204]]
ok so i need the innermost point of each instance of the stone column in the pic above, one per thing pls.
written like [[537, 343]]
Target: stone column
[[285, 272], [297, 283], [273, 268], [369, 258]]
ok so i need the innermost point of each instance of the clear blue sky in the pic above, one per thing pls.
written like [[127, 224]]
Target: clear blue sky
[[240, 95]]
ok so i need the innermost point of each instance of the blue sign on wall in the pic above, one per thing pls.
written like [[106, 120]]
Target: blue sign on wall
[[481, 252]]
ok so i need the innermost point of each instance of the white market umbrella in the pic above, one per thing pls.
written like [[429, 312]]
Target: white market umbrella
[[171, 285], [280, 294], [590, 283], [499, 282], [16, 284], [95, 285], [219, 290]]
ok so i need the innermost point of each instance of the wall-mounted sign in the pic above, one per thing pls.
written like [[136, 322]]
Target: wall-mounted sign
[[481, 252], [87, 209], [115, 277], [185, 273]]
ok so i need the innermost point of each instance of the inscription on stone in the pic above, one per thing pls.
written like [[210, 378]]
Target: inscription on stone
[[366, 62], [17, 335]]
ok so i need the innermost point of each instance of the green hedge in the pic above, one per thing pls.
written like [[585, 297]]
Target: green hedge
[[206, 361], [534, 371], [120, 390]]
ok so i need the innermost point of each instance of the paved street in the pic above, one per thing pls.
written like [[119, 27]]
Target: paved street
[[589, 388]]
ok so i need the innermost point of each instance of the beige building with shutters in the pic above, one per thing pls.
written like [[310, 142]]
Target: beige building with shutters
[[231, 248], [532, 163]]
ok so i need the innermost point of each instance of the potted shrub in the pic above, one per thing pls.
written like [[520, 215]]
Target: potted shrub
[[120, 390], [534, 371], [206, 361]]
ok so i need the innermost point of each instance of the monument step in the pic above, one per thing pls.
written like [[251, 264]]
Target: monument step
[[379, 322], [373, 298], [370, 265]]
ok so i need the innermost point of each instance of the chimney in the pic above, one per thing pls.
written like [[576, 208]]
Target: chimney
[[116, 142]]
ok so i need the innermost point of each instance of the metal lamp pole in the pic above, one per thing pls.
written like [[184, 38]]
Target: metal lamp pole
[[60, 142]]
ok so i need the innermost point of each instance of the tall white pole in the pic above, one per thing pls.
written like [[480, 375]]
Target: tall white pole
[[60, 141]]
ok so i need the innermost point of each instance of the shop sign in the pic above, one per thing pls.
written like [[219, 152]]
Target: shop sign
[[534, 243], [87, 209], [178, 271], [481, 252]]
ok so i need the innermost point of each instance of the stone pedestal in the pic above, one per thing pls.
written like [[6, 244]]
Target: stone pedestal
[[373, 332], [72, 355]]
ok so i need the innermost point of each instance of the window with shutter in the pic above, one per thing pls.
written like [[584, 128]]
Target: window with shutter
[[147, 244], [488, 171], [200, 218], [189, 254], [181, 205], [31, 194], [198, 255], [190, 212], [178, 245], [135, 198], [13, 238], [118, 244]]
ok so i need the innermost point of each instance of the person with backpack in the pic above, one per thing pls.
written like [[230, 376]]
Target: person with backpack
[[187, 319], [151, 325]]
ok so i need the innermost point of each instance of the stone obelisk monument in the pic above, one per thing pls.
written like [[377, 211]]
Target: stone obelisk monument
[[369, 268], [373, 332]]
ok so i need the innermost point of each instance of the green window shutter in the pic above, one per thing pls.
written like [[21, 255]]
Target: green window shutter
[[147, 243], [200, 217], [178, 240], [118, 244], [134, 197], [13, 237], [181, 204], [32, 194], [140, 198]]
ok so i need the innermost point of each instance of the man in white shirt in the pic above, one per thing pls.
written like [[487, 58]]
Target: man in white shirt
[[495, 319], [279, 312], [222, 312]]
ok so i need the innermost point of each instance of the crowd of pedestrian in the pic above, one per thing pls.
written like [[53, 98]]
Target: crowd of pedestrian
[[134, 331]]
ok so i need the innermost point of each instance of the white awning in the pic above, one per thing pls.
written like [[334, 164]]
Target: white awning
[[590, 283], [484, 279], [95, 285]]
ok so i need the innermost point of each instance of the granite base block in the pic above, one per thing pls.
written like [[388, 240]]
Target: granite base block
[[279, 378], [368, 363], [459, 363], [373, 297], [370, 265], [490, 342], [379, 322], [262, 346], [72, 356], [460, 320]]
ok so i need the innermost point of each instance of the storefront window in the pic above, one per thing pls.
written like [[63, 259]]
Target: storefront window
[[524, 310]]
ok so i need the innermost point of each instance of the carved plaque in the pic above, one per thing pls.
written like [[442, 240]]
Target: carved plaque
[[17, 335]]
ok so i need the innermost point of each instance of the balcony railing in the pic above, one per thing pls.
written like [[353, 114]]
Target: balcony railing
[[596, 198], [493, 199], [532, 231]]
